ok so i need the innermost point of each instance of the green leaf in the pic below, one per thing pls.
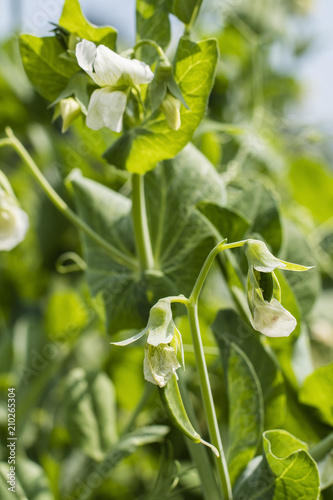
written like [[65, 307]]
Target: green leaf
[[245, 407], [180, 239], [90, 412], [286, 471], [184, 9], [230, 326], [31, 481], [257, 203], [306, 286], [73, 20], [229, 223], [152, 22], [317, 392], [47, 71], [194, 73]]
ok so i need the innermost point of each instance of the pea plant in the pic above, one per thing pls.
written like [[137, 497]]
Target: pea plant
[[186, 260]]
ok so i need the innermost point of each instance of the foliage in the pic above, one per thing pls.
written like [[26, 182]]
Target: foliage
[[87, 424]]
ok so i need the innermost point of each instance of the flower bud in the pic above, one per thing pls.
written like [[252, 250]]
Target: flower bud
[[170, 107], [69, 110]]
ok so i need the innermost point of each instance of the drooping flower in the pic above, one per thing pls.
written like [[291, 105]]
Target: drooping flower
[[268, 316], [163, 342], [14, 222], [116, 75]]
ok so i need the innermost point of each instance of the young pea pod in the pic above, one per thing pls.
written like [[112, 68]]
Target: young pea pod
[[174, 407]]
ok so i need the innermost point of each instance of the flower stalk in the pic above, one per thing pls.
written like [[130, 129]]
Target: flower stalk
[[114, 253]]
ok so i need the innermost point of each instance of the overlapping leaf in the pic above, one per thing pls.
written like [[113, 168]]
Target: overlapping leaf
[[286, 471], [180, 238], [245, 407]]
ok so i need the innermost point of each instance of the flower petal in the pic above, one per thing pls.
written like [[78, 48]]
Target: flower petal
[[86, 54], [289, 266], [160, 363], [106, 109], [272, 319], [117, 71], [131, 339], [14, 223], [260, 257], [160, 324]]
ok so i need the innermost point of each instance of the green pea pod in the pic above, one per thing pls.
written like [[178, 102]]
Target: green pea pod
[[174, 407]]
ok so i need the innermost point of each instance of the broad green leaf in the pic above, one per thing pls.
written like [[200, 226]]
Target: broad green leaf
[[229, 223], [285, 472], [258, 204], [230, 326], [90, 412], [245, 407], [152, 22], [73, 20], [180, 238], [317, 392], [308, 178], [306, 286], [184, 9], [156, 141], [47, 71], [30, 481]]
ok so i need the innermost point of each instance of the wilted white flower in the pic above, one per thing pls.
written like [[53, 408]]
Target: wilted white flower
[[116, 75], [163, 342], [14, 222], [268, 316]]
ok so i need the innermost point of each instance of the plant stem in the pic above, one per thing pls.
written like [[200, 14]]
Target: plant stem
[[208, 401], [153, 44], [189, 26], [192, 308], [208, 264], [114, 253], [140, 222]]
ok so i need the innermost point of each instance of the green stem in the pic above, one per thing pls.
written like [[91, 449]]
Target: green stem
[[207, 396], [140, 222], [153, 44], [195, 13], [114, 253], [208, 264], [322, 448]]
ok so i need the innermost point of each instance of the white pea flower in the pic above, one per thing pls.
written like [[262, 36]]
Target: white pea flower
[[163, 342], [116, 75], [268, 316], [14, 222]]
